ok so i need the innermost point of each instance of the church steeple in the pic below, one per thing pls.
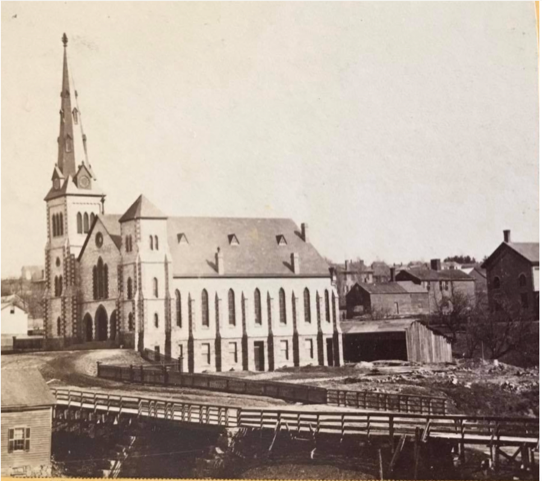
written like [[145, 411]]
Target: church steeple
[[71, 139]]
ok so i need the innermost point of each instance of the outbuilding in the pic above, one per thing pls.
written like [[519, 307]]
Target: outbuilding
[[27, 411], [398, 339]]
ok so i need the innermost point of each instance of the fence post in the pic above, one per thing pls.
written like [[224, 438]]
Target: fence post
[[392, 442], [98, 364]]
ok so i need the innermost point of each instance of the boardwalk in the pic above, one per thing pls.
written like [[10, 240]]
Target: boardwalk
[[500, 432]]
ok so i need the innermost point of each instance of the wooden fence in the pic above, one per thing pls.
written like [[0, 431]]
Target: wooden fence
[[458, 428], [169, 375]]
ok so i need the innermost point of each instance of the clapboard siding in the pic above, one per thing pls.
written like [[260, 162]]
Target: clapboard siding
[[40, 423]]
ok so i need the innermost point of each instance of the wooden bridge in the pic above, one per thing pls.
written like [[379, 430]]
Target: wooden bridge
[[496, 432], [170, 375]]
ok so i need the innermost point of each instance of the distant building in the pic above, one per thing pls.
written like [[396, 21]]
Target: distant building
[[33, 273], [480, 280], [513, 275], [440, 283], [14, 316], [352, 273], [397, 339], [393, 299], [381, 272], [27, 408]]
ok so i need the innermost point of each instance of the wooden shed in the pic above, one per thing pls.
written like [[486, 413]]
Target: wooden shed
[[398, 339], [27, 410]]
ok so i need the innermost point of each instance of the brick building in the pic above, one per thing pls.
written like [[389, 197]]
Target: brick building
[[218, 293], [513, 276], [440, 283]]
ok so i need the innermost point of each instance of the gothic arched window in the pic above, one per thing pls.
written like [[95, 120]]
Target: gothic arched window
[[204, 308], [294, 309], [257, 307], [85, 223], [156, 242], [231, 307], [92, 217], [129, 288], [79, 223], [334, 307], [156, 320], [58, 327], [155, 287], [131, 321], [151, 242], [307, 304], [99, 279], [106, 282], [178, 309], [95, 282], [318, 313], [282, 306], [326, 300]]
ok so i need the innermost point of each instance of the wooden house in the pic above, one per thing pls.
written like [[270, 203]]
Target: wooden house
[[27, 410]]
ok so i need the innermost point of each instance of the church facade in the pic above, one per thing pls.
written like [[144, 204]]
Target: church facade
[[217, 294]]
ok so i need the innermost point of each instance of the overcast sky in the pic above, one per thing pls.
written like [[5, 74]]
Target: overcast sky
[[398, 131]]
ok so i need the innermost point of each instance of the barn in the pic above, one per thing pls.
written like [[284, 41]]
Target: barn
[[27, 411], [397, 339]]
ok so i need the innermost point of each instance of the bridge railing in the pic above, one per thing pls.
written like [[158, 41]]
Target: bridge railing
[[169, 374], [503, 431]]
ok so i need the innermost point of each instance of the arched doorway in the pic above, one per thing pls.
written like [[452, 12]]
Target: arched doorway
[[113, 326], [87, 323], [101, 324]]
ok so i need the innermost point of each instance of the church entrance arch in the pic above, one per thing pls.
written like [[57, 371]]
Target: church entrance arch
[[87, 323], [101, 324], [113, 326]]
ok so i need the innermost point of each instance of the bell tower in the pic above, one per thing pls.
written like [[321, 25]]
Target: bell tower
[[72, 203]]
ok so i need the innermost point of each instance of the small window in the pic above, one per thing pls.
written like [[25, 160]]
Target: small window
[[156, 320], [525, 300], [57, 262], [178, 309], [18, 439], [99, 239], [496, 282], [326, 300], [58, 327], [181, 239], [522, 280], [307, 305], [85, 223], [75, 113], [281, 240], [131, 325], [151, 242], [282, 307], [204, 308], [309, 348], [79, 223], [155, 287], [257, 307], [156, 242], [206, 353], [129, 288], [233, 352], [231, 307], [12, 310], [69, 144], [232, 239], [284, 351], [92, 217]]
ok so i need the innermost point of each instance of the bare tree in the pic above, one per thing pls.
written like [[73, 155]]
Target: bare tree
[[453, 311]]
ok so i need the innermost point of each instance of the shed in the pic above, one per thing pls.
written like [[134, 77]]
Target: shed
[[27, 409], [400, 339]]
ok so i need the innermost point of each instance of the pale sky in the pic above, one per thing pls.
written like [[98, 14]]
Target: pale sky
[[398, 131]]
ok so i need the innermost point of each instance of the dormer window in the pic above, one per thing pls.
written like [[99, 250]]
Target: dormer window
[[281, 240], [182, 239], [69, 144], [75, 114], [233, 240]]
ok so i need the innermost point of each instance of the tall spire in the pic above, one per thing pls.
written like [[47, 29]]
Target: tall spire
[[71, 139]]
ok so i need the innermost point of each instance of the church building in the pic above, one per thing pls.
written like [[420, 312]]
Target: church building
[[216, 293]]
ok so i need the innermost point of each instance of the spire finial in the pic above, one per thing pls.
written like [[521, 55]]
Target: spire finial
[[65, 40]]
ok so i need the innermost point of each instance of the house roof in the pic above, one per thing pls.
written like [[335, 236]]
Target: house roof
[[258, 253], [400, 287], [368, 327], [380, 268], [193, 243], [442, 275], [142, 208], [13, 300], [24, 388], [528, 250]]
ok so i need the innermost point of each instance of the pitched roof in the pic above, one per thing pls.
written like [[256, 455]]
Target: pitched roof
[[368, 327], [528, 250], [380, 268], [13, 300], [258, 253], [112, 226], [401, 287], [24, 388], [142, 208], [68, 187], [442, 275]]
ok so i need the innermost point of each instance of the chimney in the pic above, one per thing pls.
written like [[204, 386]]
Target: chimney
[[219, 257], [305, 231], [295, 262], [507, 236], [392, 274], [345, 266], [435, 265]]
